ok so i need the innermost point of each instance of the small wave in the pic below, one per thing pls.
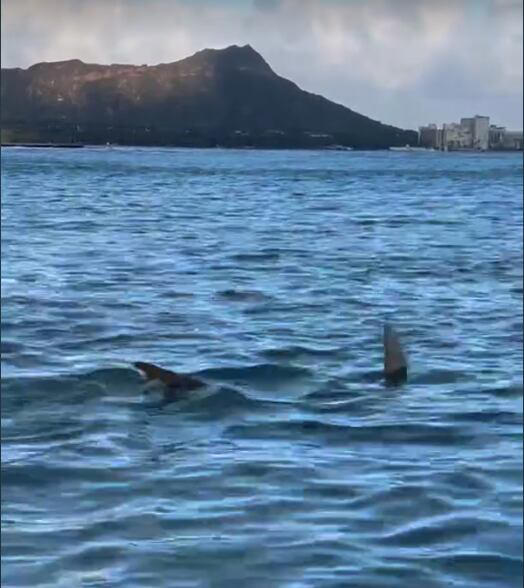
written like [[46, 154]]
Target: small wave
[[9, 347], [362, 406], [365, 376], [176, 294], [224, 400], [256, 257], [463, 482], [365, 222], [487, 416], [411, 434], [286, 307], [20, 390], [482, 566], [325, 208], [260, 373], [68, 388], [48, 434], [113, 376], [47, 473], [235, 295], [336, 396], [400, 500], [512, 390], [440, 377], [297, 351], [438, 531]]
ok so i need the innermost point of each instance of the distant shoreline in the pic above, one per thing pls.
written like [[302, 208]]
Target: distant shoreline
[[249, 148], [46, 145]]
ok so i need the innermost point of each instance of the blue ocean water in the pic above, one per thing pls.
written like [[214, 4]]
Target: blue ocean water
[[270, 274]]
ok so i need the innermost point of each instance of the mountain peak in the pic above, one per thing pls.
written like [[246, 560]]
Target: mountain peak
[[235, 57], [227, 96], [64, 64]]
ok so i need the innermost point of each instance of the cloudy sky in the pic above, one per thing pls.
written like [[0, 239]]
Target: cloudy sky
[[404, 62]]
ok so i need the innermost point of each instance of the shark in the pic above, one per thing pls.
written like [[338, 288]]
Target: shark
[[395, 370], [395, 361]]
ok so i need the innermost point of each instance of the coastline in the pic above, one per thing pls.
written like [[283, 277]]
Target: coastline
[[46, 145], [399, 150]]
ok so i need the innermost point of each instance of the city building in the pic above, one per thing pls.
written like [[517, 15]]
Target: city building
[[430, 137], [512, 140], [472, 133], [478, 128], [496, 137], [456, 136]]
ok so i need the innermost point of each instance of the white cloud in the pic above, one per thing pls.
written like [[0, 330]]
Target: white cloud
[[405, 62]]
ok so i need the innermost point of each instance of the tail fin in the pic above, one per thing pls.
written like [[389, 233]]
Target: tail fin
[[395, 363]]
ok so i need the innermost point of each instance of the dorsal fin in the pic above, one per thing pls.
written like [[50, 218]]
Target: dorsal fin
[[154, 372], [395, 363], [167, 377]]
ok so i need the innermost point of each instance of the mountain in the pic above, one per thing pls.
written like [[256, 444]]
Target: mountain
[[227, 97]]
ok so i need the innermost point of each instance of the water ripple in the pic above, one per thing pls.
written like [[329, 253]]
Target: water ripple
[[269, 275]]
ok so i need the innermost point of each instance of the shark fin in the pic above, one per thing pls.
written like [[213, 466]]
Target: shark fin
[[153, 372], [395, 362], [172, 380]]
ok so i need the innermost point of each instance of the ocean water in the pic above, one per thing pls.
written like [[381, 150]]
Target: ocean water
[[270, 275]]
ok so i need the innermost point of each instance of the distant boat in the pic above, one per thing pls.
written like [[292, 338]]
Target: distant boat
[[414, 149], [338, 148]]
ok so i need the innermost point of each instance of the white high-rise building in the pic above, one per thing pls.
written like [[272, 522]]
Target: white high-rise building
[[456, 136], [478, 128], [481, 132]]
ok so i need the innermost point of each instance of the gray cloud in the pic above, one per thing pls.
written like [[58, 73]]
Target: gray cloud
[[405, 62]]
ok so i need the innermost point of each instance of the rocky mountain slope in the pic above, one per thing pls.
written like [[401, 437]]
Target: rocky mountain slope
[[227, 97]]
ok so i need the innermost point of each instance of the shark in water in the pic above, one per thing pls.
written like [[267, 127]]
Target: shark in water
[[395, 362], [395, 369]]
